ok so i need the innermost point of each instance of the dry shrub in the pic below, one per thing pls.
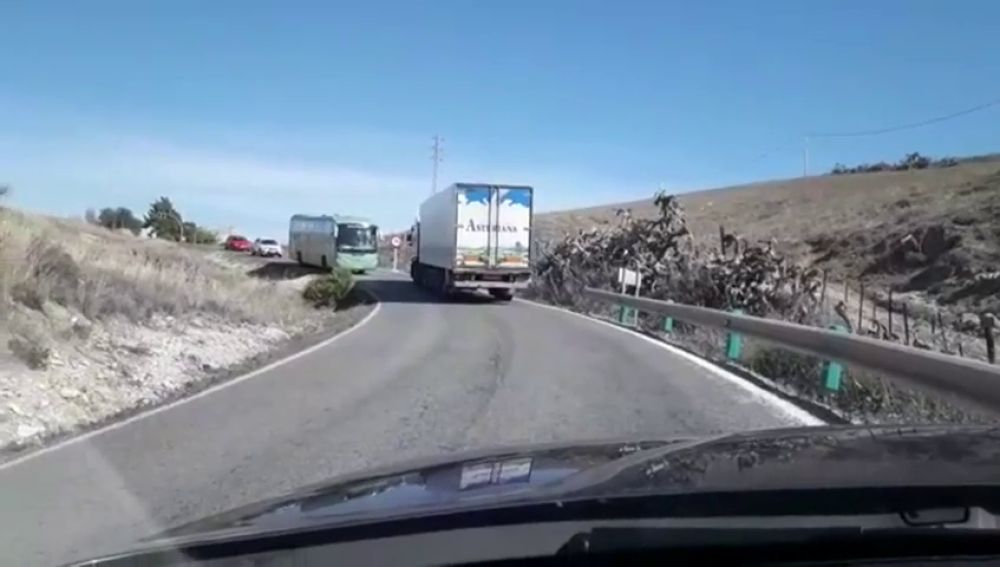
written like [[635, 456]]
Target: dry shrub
[[329, 290], [32, 352], [864, 396], [746, 276], [801, 371], [54, 273], [28, 341]]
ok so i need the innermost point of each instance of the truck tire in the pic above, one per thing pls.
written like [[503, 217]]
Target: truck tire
[[503, 294], [444, 285]]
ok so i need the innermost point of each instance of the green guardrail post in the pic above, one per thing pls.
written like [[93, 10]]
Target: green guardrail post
[[734, 342], [833, 371], [668, 324], [631, 317], [628, 316]]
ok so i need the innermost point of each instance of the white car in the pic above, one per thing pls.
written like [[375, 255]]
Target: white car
[[266, 248]]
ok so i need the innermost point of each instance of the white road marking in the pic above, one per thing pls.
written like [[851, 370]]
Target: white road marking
[[208, 391], [784, 407]]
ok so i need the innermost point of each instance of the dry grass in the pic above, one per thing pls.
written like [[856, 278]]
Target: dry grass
[[99, 274], [844, 223]]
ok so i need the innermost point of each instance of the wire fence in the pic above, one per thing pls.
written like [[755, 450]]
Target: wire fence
[[861, 309]]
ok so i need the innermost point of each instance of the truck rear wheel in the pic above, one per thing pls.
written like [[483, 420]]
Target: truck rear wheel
[[503, 294], [441, 284]]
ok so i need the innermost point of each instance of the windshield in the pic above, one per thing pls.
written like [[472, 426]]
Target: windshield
[[356, 237], [500, 224]]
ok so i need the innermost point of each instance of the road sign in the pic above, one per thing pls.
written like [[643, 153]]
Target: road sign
[[396, 242], [628, 277]]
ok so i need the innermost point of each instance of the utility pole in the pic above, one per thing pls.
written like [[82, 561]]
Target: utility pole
[[805, 156], [436, 158]]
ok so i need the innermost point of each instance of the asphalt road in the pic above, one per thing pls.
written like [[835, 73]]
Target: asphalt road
[[419, 378]]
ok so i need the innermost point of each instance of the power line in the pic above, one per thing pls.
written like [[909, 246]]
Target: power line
[[805, 138], [909, 126], [775, 149]]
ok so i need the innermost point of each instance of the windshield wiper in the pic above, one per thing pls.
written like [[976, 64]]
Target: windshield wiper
[[599, 540], [682, 545]]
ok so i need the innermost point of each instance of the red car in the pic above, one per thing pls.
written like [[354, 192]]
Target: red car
[[238, 244]]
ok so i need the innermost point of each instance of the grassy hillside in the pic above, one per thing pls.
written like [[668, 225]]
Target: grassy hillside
[[857, 226], [99, 274]]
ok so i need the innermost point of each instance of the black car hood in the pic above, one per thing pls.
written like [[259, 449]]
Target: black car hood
[[814, 457]]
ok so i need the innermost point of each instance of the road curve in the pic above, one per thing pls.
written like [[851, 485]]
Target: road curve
[[421, 377]]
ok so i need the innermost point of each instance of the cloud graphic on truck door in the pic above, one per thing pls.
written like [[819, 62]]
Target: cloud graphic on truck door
[[521, 197], [479, 195]]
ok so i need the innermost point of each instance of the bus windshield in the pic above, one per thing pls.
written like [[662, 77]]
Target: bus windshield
[[356, 237]]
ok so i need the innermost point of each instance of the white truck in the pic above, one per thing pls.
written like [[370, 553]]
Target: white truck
[[474, 236]]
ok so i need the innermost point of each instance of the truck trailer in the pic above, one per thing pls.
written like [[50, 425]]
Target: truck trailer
[[474, 236]]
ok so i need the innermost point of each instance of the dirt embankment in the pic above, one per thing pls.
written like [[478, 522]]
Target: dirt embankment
[[95, 324], [932, 236]]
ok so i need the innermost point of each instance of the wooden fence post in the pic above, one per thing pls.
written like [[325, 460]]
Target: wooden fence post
[[861, 308], [890, 314], [944, 337], [822, 293], [986, 322], [906, 324]]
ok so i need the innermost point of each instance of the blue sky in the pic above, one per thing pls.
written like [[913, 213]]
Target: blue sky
[[246, 112]]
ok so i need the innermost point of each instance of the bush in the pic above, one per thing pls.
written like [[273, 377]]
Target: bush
[[34, 355], [910, 161], [29, 345], [118, 218], [204, 236], [55, 274], [787, 366], [329, 290]]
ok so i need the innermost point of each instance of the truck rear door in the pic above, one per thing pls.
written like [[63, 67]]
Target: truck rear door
[[510, 237], [472, 238]]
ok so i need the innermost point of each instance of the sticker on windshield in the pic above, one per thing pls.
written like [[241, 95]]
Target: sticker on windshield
[[515, 470], [497, 472], [474, 476]]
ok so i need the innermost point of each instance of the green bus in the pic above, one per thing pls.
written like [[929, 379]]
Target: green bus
[[339, 240]]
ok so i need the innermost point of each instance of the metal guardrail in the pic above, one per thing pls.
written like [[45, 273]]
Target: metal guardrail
[[975, 381]]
